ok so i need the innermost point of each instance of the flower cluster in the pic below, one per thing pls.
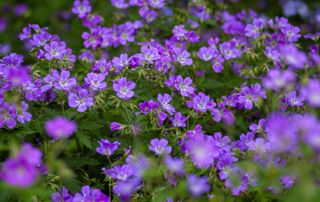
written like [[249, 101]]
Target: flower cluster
[[173, 104]]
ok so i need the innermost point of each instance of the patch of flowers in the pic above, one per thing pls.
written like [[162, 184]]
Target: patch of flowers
[[169, 101]]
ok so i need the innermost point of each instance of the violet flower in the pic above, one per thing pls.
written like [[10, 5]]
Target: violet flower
[[159, 146], [106, 147]]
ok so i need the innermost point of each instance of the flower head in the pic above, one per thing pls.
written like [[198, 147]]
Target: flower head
[[160, 146], [60, 127]]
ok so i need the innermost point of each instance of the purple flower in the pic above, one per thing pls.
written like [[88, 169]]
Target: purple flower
[[287, 181], [8, 116], [63, 82], [281, 133], [156, 3], [164, 101], [293, 57], [23, 116], [96, 81], [92, 39], [41, 39], [291, 99], [106, 147], [238, 182], [120, 4], [18, 76], [183, 85], [249, 96], [138, 162], [253, 30], [159, 146], [256, 128], [120, 172], [161, 118], [89, 194], [260, 146], [149, 54], [120, 62], [147, 106], [174, 165], [311, 92], [291, 33], [179, 32], [202, 150], [81, 8], [229, 50], [277, 80], [222, 113], [178, 120], [207, 54], [60, 127], [182, 56], [198, 185], [101, 66], [124, 88], [272, 53], [55, 50], [124, 189], [201, 103], [114, 126], [22, 170], [62, 196], [217, 64], [81, 100]]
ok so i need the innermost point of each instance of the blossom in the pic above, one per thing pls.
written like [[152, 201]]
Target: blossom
[[311, 92], [253, 30], [281, 133], [183, 85], [114, 126], [202, 150], [120, 172], [159, 146], [293, 57], [81, 100], [21, 170], [54, 50], [60, 127], [164, 101], [287, 181], [147, 106], [96, 81], [251, 95], [106, 147], [182, 56], [92, 39], [178, 120], [217, 64], [149, 54], [179, 31], [291, 99], [201, 103], [89, 194], [62, 195], [207, 54], [62, 81], [198, 185], [124, 189], [124, 88], [8, 116], [81, 8], [277, 80], [174, 165], [120, 62], [229, 50]]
